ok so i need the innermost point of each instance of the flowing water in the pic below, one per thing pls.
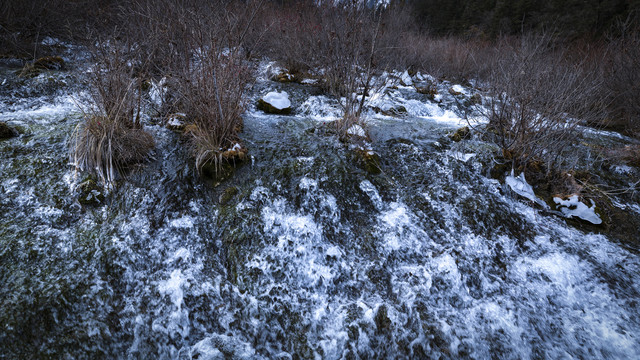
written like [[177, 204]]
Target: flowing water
[[313, 257]]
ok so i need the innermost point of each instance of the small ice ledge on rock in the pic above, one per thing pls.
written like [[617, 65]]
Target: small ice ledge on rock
[[573, 207], [520, 186]]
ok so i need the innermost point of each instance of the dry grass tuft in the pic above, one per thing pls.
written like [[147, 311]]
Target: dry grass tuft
[[107, 148]]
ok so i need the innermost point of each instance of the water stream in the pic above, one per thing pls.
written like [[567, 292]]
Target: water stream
[[312, 258]]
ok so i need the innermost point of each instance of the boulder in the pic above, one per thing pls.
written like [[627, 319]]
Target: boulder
[[227, 195], [275, 103], [428, 89], [396, 110], [405, 79]]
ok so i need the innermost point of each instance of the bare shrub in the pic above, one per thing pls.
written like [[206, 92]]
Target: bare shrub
[[292, 34], [349, 46], [340, 38], [212, 96], [212, 84], [25, 23], [111, 138], [622, 78], [537, 101]]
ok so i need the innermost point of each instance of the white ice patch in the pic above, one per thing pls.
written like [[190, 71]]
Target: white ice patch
[[308, 183], [178, 321], [461, 156], [173, 288], [573, 207], [394, 223], [279, 100], [181, 254], [49, 41], [446, 266], [219, 347], [235, 147], [520, 186], [356, 130], [334, 251], [446, 117], [623, 169], [268, 70]]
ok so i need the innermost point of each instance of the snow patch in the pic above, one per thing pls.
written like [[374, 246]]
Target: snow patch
[[279, 100]]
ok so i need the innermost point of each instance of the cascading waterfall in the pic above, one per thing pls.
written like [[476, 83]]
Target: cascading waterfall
[[312, 258]]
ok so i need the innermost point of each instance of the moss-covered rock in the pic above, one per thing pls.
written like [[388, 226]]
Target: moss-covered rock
[[45, 63], [461, 134], [227, 195], [91, 194], [216, 172], [49, 63], [368, 161], [220, 170], [286, 77], [397, 110], [383, 323], [430, 90], [177, 122], [6, 131]]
